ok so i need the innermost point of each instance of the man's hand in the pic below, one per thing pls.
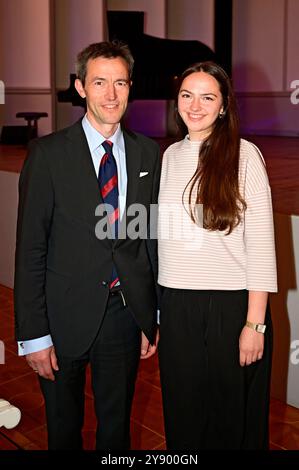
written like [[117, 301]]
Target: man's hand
[[147, 349], [43, 362]]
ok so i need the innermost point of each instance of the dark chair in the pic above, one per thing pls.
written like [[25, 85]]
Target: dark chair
[[14, 135], [31, 118], [20, 135]]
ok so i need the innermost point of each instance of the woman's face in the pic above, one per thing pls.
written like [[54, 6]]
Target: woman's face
[[199, 104]]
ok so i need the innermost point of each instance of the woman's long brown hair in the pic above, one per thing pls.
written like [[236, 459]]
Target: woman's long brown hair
[[216, 180]]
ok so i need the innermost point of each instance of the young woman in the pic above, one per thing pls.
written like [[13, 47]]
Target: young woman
[[217, 265]]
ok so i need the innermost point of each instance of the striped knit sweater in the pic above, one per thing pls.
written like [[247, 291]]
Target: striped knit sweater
[[191, 257]]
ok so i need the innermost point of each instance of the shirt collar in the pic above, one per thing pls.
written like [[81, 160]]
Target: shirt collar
[[95, 138]]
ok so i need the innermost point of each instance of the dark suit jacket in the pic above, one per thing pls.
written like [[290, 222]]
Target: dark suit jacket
[[62, 269]]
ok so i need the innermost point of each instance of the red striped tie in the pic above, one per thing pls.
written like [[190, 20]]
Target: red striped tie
[[108, 182]]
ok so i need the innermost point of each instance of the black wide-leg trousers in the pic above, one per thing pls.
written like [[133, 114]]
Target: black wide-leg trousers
[[114, 358], [209, 400]]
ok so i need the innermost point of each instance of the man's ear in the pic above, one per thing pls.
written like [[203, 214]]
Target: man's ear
[[80, 88]]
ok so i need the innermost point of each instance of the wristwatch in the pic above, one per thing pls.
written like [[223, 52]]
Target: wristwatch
[[259, 327]]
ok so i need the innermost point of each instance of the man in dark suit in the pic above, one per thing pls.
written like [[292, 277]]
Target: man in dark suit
[[81, 297]]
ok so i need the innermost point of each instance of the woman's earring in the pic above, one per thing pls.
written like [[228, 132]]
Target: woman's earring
[[221, 114]]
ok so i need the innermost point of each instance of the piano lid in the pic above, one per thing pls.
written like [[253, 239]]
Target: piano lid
[[158, 61]]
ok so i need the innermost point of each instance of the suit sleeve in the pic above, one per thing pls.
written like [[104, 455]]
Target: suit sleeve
[[152, 239], [36, 202]]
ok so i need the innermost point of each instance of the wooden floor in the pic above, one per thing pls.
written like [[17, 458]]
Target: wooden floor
[[282, 160], [281, 155], [20, 386]]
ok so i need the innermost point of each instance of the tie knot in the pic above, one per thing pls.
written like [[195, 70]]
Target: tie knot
[[107, 144]]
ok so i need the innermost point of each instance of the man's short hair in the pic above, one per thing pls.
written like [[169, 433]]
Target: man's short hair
[[104, 49]]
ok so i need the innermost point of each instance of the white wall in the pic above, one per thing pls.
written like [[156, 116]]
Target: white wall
[[25, 59], [191, 20], [25, 43], [285, 311], [292, 42], [8, 217], [293, 309], [265, 61], [78, 23], [258, 29], [266, 114]]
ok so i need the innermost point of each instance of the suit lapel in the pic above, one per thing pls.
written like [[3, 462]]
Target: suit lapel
[[82, 165], [83, 176]]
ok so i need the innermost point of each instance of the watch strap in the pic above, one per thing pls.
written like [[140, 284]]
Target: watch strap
[[259, 327]]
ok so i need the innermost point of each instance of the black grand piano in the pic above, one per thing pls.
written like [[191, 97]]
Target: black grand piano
[[157, 61]]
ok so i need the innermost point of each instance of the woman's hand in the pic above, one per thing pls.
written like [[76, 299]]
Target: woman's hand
[[251, 346]]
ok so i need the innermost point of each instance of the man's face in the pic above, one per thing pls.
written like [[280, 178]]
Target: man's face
[[106, 90]]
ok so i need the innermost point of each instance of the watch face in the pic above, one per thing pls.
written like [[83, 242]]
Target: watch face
[[261, 328]]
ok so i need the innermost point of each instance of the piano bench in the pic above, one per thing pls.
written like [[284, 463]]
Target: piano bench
[[31, 118]]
